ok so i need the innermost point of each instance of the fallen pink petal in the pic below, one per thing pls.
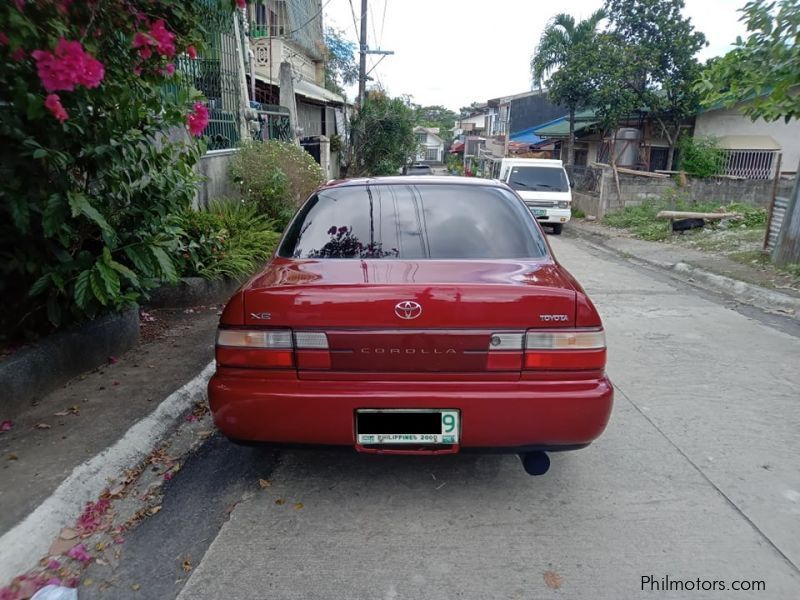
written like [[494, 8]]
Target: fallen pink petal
[[6, 425], [79, 553]]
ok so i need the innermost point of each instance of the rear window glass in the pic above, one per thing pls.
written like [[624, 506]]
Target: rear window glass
[[413, 222], [542, 179]]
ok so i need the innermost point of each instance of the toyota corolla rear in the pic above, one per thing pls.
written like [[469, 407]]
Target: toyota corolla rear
[[417, 315]]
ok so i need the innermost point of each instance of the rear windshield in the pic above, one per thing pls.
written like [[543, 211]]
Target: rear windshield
[[436, 221], [542, 179]]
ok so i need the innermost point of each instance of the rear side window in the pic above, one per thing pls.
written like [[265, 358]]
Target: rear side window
[[413, 222]]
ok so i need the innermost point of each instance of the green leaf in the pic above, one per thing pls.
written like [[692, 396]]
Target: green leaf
[[165, 262], [40, 285], [125, 272], [80, 205], [98, 287], [40, 153], [81, 293], [140, 259], [110, 279], [20, 212], [53, 215]]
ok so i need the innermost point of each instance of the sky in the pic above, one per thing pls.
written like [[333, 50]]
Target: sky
[[454, 52]]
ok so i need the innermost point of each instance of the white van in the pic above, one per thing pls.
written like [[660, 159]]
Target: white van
[[543, 185]]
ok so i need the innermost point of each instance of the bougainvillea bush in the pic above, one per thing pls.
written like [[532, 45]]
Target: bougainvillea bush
[[98, 137]]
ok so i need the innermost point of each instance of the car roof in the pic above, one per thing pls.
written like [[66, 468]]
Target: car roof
[[413, 180]]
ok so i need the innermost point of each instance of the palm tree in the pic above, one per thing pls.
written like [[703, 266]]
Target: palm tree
[[554, 51]]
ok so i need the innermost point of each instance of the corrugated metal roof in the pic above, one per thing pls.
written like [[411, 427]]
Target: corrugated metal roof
[[560, 127]]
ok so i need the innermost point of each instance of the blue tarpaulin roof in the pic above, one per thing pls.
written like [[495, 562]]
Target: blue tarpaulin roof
[[526, 136]]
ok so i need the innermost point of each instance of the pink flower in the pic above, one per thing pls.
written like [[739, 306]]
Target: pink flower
[[169, 70], [53, 104], [18, 55], [4, 39], [6, 425], [20, 4], [53, 565], [70, 66], [164, 39], [241, 3], [53, 581], [92, 517], [168, 476], [197, 120], [79, 553], [190, 50], [142, 41]]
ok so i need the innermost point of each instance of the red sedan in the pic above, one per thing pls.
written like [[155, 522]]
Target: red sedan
[[413, 315]]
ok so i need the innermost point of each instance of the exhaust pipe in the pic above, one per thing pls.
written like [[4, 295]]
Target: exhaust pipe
[[535, 463]]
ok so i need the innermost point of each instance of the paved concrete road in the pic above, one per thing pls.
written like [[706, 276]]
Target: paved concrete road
[[697, 476]]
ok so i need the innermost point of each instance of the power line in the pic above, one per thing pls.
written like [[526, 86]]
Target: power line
[[383, 21], [353, 12]]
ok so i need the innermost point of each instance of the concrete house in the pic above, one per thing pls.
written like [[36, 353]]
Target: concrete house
[[430, 147], [291, 31], [753, 146]]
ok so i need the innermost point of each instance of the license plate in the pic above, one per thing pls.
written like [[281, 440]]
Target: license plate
[[539, 212], [407, 426]]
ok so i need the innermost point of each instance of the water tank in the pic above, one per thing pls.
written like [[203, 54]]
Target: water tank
[[626, 146]]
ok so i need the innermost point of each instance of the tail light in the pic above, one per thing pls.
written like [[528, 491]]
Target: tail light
[[505, 352], [272, 349], [553, 350], [565, 350]]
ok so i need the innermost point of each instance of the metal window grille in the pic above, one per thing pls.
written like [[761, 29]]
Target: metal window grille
[[432, 154], [750, 164]]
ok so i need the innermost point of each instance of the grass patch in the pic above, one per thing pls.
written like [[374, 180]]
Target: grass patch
[[577, 213], [641, 220]]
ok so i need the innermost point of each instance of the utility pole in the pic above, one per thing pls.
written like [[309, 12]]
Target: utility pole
[[363, 51], [362, 63]]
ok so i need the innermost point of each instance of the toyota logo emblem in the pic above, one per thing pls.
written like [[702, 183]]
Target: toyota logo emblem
[[407, 310]]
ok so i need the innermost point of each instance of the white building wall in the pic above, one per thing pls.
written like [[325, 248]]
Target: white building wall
[[732, 121]]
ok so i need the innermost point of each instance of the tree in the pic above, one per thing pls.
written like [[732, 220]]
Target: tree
[[558, 49], [341, 68], [764, 69], [382, 136], [658, 60]]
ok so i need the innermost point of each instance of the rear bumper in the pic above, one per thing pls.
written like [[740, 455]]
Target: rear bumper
[[504, 416]]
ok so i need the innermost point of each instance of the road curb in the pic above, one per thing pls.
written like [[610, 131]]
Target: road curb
[[746, 293], [22, 546]]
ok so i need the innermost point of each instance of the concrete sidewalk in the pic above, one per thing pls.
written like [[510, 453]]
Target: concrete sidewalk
[[67, 438], [745, 283]]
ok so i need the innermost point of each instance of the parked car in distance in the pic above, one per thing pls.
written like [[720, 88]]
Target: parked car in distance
[[418, 169], [421, 315], [543, 185]]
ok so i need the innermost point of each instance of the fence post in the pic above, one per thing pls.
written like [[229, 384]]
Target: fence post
[[787, 246]]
